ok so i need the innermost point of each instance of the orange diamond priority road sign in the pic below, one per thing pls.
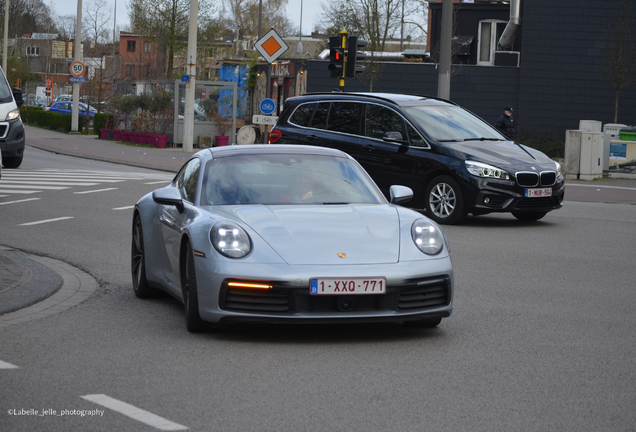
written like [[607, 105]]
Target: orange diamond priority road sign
[[271, 46]]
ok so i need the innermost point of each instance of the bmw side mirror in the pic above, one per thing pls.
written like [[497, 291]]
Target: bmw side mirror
[[168, 196], [400, 194], [394, 137]]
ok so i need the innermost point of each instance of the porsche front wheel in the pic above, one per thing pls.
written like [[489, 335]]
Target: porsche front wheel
[[137, 262]]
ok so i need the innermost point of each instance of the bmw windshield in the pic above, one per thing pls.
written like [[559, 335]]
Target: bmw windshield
[[450, 123]]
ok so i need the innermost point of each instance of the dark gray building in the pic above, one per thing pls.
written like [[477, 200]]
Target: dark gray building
[[558, 80]]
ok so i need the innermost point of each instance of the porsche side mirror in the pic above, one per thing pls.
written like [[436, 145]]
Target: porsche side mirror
[[400, 194], [169, 196]]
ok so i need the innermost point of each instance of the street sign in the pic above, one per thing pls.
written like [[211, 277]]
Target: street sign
[[185, 78], [76, 80], [267, 106], [77, 69], [271, 46], [264, 120]]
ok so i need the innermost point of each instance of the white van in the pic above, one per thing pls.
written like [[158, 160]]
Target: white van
[[11, 127]]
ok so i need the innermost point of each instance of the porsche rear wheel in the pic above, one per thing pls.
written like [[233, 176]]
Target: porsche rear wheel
[[194, 323], [137, 262]]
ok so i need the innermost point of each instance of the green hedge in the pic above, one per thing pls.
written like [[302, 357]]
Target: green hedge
[[102, 121], [34, 116]]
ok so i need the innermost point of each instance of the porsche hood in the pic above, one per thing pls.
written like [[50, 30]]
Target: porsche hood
[[327, 234]]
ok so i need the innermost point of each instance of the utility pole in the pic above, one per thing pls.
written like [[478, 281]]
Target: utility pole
[[443, 83], [188, 117], [5, 42], [78, 57]]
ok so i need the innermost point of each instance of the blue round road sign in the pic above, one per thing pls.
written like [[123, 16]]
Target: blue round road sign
[[268, 106]]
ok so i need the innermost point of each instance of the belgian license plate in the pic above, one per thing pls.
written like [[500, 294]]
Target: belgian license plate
[[542, 192], [375, 285]]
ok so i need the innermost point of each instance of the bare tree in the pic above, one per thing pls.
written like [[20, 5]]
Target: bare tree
[[618, 64], [168, 21], [28, 16], [243, 15]]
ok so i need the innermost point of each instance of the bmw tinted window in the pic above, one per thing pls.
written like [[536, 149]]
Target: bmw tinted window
[[415, 138], [381, 120], [320, 116], [344, 117], [302, 115]]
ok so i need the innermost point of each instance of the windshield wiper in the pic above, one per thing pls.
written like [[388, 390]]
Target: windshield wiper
[[483, 139]]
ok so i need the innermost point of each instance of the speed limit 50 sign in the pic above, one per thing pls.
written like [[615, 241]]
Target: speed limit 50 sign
[[77, 69]]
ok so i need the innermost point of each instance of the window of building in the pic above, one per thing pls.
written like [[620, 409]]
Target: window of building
[[33, 51], [130, 70], [147, 47], [132, 46], [489, 33]]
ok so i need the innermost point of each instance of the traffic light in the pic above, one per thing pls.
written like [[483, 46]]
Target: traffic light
[[353, 43], [336, 56]]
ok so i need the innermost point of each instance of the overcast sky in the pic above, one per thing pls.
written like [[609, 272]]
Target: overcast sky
[[311, 11]]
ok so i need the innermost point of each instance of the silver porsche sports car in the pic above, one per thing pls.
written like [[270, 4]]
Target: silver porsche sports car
[[288, 234]]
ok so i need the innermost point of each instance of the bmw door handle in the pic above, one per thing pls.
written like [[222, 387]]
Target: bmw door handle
[[368, 148], [312, 138]]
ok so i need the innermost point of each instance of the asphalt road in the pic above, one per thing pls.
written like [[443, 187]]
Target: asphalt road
[[542, 337]]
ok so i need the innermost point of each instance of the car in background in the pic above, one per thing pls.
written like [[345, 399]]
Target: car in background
[[12, 135], [64, 98], [455, 162], [67, 108], [288, 234]]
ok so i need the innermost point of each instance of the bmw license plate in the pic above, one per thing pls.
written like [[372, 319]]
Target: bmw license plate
[[348, 286], [542, 192]]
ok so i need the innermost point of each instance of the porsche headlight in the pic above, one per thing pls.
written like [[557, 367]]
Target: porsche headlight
[[486, 171], [14, 114], [230, 240], [427, 236]]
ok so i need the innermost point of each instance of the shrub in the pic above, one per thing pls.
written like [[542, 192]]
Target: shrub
[[50, 120], [552, 146], [102, 121]]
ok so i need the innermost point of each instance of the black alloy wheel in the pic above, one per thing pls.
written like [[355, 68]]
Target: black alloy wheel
[[194, 323], [137, 262], [445, 201]]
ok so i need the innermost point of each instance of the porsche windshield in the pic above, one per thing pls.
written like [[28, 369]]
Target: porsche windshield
[[286, 179], [448, 123]]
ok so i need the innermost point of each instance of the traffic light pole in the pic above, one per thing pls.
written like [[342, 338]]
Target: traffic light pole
[[343, 44]]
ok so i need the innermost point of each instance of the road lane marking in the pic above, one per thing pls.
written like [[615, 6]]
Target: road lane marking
[[124, 208], [32, 186], [599, 186], [19, 201], [15, 191], [5, 365], [93, 191], [159, 182], [46, 221], [133, 412], [47, 182]]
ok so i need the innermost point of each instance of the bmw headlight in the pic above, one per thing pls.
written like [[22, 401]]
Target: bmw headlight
[[486, 171], [427, 236], [559, 172], [12, 115], [230, 239]]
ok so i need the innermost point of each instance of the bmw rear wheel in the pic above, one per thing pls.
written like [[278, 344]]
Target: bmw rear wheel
[[137, 262], [194, 323], [445, 201]]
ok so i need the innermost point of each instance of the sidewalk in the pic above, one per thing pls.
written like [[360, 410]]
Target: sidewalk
[[25, 280]]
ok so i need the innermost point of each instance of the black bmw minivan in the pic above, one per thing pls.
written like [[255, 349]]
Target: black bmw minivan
[[455, 162]]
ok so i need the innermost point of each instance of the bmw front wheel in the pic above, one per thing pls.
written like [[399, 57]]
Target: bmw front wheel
[[445, 201]]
